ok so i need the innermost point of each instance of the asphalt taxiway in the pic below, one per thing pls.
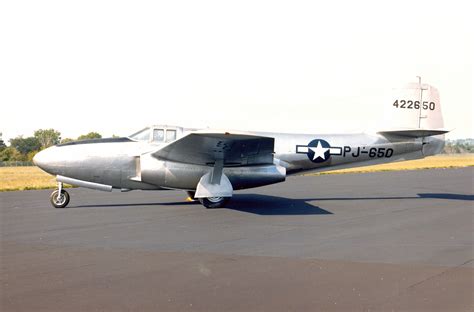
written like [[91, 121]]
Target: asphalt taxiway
[[353, 242]]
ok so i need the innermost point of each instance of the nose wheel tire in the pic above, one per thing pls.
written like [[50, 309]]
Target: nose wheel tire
[[214, 202], [59, 200]]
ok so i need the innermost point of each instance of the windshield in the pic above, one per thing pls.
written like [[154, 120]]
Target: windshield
[[142, 135]]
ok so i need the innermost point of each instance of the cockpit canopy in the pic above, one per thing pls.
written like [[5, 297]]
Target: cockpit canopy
[[157, 134]]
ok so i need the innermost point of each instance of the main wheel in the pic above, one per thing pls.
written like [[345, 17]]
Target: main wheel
[[60, 201], [214, 202]]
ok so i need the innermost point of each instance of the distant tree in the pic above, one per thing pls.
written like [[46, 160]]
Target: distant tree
[[11, 154], [460, 146], [30, 155], [90, 135], [47, 137], [67, 140], [25, 145], [2, 144]]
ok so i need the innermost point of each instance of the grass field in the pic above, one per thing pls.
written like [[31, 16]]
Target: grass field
[[25, 178], [30, 178]]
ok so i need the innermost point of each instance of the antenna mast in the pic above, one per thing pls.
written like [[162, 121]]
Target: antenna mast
[[421, 101]]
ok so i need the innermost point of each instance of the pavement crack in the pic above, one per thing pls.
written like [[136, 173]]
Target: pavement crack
[[439, 274], [407, 289]]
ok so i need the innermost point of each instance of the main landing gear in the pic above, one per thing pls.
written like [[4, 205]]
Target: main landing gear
[[214, 202], [59, 198], [209, 202]]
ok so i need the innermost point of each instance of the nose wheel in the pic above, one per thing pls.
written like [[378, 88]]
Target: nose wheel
[[59, 198]]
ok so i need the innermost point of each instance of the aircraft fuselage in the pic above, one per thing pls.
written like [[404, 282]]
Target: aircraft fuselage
[[128, 164]]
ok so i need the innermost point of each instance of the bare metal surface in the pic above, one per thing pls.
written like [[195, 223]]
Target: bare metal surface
[[91, 185], [398, 241], [181, 158]]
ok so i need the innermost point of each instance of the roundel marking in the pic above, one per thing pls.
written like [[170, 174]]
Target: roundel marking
[[319, 151]]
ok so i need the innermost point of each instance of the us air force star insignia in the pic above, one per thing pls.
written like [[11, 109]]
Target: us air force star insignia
[[318, 150]]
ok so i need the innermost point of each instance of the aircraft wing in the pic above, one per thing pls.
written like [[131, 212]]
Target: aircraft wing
[[205, 148]]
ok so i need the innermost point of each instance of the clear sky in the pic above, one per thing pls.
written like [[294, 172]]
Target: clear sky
[[316, 66]]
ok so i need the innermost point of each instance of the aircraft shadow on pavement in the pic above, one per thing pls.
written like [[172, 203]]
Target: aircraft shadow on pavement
[[419, 196], [131, 205], [251, 203], [447, 196], [273, 205]]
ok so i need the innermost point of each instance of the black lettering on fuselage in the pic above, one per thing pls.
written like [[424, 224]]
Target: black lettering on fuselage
[[347, 149], [356, 154]]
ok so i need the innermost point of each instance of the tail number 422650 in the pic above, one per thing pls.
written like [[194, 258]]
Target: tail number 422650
[[414, 104]]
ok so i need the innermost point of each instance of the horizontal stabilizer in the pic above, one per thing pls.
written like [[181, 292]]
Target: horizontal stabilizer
[[414, 133]]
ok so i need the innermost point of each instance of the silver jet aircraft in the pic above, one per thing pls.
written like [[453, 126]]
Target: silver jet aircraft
[[211, 165]]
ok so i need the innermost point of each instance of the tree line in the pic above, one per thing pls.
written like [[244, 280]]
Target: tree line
[[461, 146], [25, 148]]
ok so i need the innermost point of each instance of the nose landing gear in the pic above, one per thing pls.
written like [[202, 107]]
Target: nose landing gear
[[59, 198]]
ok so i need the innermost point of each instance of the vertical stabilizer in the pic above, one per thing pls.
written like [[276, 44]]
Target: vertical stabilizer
[[414, 111], [413, 106]]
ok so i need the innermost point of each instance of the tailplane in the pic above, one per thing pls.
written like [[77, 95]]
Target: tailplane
[[414, 133]]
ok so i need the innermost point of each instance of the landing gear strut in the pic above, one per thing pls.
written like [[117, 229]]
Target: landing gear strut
[[59, 198]]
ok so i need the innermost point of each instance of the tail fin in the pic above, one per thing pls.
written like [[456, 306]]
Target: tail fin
[[414, 111]]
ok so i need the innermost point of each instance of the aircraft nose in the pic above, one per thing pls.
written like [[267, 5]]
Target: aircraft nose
[[44, 158]]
